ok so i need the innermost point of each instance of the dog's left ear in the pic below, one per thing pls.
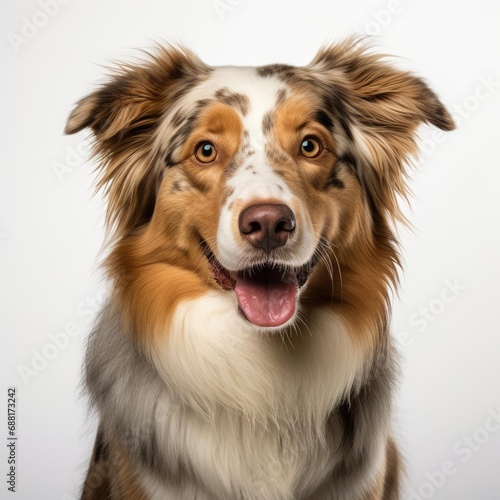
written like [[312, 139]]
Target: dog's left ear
[[381, 110]]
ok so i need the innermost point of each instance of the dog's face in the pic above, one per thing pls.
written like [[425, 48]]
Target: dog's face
[[256, 182], [254, 186]]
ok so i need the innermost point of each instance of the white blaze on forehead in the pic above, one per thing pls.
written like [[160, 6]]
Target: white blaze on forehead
[[261, 92]]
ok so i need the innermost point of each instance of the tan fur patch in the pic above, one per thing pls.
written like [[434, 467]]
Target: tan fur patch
[[221, 123], [126, 484]]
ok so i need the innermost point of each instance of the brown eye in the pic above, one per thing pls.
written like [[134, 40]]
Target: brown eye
[[205, 152], [310, 147]]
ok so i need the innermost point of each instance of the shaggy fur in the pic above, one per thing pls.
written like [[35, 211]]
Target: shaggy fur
[[231, 362]]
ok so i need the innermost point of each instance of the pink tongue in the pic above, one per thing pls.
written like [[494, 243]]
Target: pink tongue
[[265, 299]]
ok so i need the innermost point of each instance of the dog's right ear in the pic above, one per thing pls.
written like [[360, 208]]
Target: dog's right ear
[[83, 115], [133, 92], [124, 115], [115, 106], [118, 104], [89, 112]]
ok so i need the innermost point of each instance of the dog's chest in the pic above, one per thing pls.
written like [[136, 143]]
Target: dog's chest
[[270, 437], [235, 459]]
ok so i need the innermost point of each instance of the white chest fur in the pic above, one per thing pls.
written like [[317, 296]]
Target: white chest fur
[[247, 413]]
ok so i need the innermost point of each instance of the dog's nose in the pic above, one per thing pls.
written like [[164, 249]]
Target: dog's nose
[[266, 226]]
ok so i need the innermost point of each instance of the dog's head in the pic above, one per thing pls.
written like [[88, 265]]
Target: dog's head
[[256, 182]]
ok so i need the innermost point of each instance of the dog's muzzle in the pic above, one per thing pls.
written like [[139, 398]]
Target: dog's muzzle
[[267, 289]]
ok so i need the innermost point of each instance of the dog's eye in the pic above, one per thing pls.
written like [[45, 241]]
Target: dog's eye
[[310, 147], [205, 152]]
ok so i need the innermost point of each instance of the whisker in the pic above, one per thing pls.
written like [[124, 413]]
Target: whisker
[[299, 318], [330, 246]]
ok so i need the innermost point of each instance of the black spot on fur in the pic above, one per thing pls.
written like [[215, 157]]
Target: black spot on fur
[[188, 84], [185, 127], [349, 160], [334, 181], [273, 69], [234, 99], [281, 97], [267, 123], [377, 97], [149, 451], [101, 447], [177, 118], [169, 158], [232, 166], [336, 104], [143, 127], [323, 118], [147, 185]]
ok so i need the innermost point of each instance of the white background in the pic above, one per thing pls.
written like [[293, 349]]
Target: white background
[[51, 227]]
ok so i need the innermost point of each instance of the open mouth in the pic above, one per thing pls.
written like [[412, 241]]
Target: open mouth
[[267, 292]]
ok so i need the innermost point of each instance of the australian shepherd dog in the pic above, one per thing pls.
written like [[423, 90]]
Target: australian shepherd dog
[[244, 350]]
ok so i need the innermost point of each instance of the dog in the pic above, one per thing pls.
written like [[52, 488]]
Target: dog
[[244, 351]]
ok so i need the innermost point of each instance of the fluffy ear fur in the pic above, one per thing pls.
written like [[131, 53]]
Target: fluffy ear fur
[[123, 115], [383, 107]]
